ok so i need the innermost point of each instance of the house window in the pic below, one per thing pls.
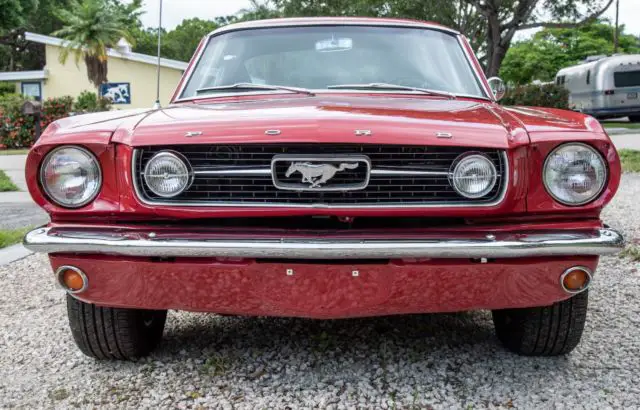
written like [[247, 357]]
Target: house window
[[32, 89]]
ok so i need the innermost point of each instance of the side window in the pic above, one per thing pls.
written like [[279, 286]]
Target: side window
[[588, 76]]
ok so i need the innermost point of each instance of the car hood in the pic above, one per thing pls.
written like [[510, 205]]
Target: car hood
[[328, 118], [385, 120]]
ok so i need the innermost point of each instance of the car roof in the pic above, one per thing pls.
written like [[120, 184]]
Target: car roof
[[327, 21]]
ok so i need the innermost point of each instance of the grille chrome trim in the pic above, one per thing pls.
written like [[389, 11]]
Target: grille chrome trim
[[374, 171], [401, 172], [225, 204], [247, 172]]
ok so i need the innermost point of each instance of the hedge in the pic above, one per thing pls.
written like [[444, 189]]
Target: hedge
[[7, 88], [532, 95], [18, 130]]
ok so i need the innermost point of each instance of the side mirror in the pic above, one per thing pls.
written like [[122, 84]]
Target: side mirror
[[497, 87]]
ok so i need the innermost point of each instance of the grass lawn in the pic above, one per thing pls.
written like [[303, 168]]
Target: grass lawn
[[630, 125], [630, 160], [632, 252], [14, 151], [12, 236], [5, 183]]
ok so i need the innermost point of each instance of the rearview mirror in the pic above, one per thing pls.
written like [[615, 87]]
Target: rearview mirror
[[334, 44], [497, 87]]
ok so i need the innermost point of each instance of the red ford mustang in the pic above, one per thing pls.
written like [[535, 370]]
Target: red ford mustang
[[326, 168]]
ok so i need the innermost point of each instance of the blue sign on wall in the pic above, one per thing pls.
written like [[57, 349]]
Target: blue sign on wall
[[118, 93]]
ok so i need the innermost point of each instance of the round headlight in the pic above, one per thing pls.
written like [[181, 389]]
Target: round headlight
[[70, 176], [167, 174], [574, 174], [474, 176]]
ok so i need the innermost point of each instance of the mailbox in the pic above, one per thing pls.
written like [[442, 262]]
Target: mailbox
[[32, 107]]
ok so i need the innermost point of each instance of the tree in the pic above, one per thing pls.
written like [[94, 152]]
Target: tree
[[258, 10], [146, 41], [551, 49], [13, 16], [179, 43], [506, 17], [90, 28], [489, 24], [184, 39]]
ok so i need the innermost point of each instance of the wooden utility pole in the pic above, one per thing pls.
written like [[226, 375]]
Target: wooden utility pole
[[616, 33]]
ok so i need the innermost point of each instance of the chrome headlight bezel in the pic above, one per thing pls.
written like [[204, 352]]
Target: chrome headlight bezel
[[47, 189], [463, 160], [176, 156], [603, 182]]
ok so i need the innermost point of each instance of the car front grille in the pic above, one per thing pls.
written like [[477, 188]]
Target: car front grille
[[399, 175]]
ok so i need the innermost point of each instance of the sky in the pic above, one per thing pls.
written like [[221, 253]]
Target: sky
[[174, 11]]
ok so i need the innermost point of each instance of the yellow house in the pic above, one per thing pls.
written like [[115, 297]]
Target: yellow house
[[132, 76]]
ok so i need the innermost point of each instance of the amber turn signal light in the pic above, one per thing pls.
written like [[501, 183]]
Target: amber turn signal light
[[72, 279], [576, 279]]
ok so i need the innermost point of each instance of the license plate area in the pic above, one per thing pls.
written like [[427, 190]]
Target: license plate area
[[311, 290]]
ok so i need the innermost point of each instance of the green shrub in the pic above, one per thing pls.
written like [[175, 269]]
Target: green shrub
[[90, 102], [14, 129], [532, 95], [18, 130], [7, 88], [55, 108]]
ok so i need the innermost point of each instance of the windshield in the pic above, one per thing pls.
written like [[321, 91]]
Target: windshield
[[332, 57]]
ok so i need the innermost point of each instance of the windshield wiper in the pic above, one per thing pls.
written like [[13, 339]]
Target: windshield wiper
[[253, 87], [385, 86]]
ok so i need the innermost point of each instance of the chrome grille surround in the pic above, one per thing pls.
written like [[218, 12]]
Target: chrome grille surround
[[390, 165]]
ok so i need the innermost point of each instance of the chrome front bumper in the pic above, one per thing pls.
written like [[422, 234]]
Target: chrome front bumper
[[508, 245]]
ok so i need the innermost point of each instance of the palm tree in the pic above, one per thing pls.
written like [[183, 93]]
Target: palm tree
[[90, 28]]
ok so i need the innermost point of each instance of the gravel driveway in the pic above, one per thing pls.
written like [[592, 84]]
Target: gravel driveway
[[421, 361]]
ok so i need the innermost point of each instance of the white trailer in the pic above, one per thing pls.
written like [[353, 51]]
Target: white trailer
[[608, 87]]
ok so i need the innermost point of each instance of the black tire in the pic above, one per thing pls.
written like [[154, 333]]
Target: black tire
[[634, 118], [543, 331], [114, 333]]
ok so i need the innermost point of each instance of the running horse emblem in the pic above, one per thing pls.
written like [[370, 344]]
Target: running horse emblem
[[317, 174]]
